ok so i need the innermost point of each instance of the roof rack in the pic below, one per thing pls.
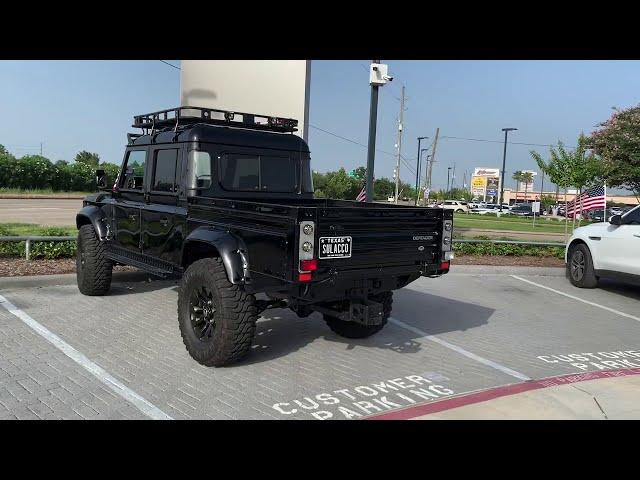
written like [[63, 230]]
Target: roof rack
[[181, 116]]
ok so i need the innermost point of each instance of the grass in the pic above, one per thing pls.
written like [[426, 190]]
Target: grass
[[24, 229], [39, 192], [517, 224]]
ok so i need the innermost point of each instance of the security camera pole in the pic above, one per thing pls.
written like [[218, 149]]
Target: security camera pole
[[377, 77]]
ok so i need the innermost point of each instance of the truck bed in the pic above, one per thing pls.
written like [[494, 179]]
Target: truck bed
[[385, 237]]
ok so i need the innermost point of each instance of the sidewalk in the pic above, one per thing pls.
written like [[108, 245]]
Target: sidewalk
[[611, 395]]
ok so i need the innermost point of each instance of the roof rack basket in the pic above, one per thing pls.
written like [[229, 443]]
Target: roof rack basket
[[182, 116]]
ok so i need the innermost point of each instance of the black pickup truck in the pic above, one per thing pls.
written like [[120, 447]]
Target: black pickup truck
[[225, 199]]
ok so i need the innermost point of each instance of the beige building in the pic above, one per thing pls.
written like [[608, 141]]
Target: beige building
[[511, 196]]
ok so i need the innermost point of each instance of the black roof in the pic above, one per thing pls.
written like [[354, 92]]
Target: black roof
[[207, 133]]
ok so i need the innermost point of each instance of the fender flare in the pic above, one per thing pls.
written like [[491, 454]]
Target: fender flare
[[95, 216], [230, 247]]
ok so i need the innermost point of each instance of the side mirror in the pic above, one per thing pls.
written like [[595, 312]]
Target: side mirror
[[616, 220], [102, 180]]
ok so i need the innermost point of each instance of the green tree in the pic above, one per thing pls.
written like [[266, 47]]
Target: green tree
[[617, 142], [338, 184], [112, 170], [87, 158], [383, 188], [33, 171], [577, 168]]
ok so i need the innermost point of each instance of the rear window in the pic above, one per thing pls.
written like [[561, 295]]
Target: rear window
[[259, 173]]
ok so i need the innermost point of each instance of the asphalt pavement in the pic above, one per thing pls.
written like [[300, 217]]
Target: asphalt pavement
[[64, 355], [57, 212]]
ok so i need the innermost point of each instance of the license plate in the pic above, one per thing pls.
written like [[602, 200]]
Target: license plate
[[335, 247]]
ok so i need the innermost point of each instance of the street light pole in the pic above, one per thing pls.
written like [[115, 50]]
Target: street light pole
[[504, 161], [418, 168], [448, 172]]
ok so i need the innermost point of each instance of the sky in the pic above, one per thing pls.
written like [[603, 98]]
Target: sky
[[88, 105]]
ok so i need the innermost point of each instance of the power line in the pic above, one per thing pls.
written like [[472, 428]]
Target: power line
[[499, 141], [170, 64], [350, 140]]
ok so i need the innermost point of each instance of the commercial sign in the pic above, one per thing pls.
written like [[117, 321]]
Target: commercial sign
[[485, 183], [492, 186], [486, 172], [265, 87], [478, 186]]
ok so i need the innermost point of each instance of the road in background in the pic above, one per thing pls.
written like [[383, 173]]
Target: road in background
[[39, 211]]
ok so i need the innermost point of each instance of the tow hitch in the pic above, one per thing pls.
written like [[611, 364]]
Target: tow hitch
[[364, 312]]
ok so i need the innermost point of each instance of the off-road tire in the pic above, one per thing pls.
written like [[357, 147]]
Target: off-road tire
[[357, 330], [235, 315], [584, 277], [93, 268]]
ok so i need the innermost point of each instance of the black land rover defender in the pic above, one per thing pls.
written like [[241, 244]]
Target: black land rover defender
[[226, 200]]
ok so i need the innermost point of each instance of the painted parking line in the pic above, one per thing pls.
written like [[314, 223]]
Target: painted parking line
[[497, 392], [119, 388], [573, 297], [460, 350]]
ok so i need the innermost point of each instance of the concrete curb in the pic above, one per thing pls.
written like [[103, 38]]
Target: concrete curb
[[505, 270], [34, 281]]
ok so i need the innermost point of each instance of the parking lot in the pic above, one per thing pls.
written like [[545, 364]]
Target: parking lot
[[64, 355]]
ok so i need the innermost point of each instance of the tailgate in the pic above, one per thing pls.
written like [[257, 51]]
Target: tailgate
[[379, 236]]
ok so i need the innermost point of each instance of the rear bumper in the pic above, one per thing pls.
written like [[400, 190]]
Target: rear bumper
[[360, 282]]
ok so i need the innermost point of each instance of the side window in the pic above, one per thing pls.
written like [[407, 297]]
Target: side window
[[132, 175], [164, 171]]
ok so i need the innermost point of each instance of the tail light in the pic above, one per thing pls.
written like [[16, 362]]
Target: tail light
[[309, 265], [447, 243], [306, 251]]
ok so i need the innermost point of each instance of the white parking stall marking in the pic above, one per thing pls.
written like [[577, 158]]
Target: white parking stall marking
[[593, 304], [460, 350], [119, 388]]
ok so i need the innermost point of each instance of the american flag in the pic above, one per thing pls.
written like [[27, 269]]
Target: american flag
[[591, 199], [362, 196]]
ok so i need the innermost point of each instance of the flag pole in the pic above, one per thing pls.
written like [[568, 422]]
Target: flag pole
[[605, 201]]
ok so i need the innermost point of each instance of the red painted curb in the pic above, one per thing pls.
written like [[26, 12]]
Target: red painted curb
[[492, 393]]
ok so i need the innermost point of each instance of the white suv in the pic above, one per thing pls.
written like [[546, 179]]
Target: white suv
[[455, 205], [605, 250]]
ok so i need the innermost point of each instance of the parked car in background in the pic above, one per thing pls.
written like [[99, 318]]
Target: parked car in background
[[605, 249], [522, 210], [455, 205], [616, 210], [596, 216], [391, 199]]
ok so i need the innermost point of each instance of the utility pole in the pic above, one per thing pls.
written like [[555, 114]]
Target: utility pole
[[453, 176], [448, 173], [400, 120], [371, 150], [418, 169], [433, 157], [40, 148]]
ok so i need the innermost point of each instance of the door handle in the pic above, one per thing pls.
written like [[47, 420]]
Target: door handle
[[636, 235]]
